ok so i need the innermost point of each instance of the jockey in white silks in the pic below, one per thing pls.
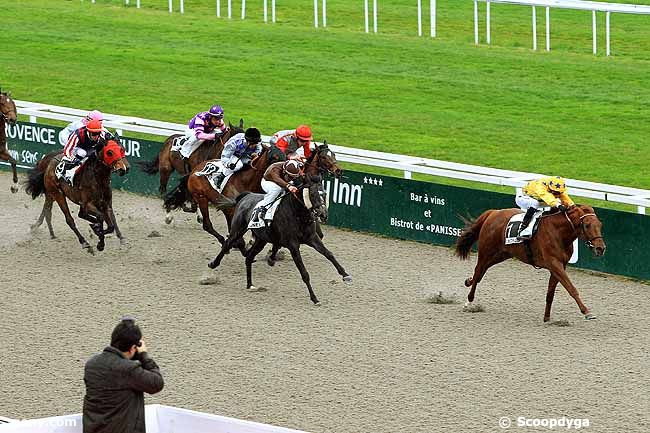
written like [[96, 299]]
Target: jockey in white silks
[[240, 150]]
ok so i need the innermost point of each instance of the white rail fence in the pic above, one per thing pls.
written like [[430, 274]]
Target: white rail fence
[[406, 164], [592, 6]]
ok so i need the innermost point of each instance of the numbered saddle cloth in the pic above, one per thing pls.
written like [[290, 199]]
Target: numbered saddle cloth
[[62, 172], [260, 213], [513, 228], [178, 143], [210, 171]]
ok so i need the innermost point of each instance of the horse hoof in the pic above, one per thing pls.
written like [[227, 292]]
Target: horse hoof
[[468, 282], [100, 247], [589, 316], [169, 219], [317, 304], [270, 262], [14, 189], [347, 278]]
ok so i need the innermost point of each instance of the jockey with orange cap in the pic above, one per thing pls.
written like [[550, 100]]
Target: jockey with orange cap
[[79, 145], [536, 194], [73, 126], [206, 125], [295, 143]]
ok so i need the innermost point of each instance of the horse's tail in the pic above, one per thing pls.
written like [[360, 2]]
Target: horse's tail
[[179, 195], [35, 183], [149, 167], [470, 235]]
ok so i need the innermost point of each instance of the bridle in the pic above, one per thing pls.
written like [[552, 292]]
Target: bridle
[[306, 201], [4, 99], [312, 162], [588, 242]]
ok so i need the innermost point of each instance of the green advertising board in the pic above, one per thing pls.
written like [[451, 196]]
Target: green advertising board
[[399, 208]]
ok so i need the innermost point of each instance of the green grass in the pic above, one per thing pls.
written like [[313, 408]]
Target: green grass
[[563, 112]]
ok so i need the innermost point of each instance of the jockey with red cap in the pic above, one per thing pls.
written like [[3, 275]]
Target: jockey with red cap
[[82, 141], [66, 132], [206, 125], [295, 143]]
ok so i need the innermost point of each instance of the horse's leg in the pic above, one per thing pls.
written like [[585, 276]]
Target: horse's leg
[[5, 155], [100, 233], [46, 214], [165, 169], [113, 222], [297, 259], [316, 243], [63, 204], [272, 258], [550, 293], [558, 271], [250, 258], [207, 224]]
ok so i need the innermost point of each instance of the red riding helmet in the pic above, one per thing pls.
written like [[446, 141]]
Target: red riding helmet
[[94, 126], [303, 132]]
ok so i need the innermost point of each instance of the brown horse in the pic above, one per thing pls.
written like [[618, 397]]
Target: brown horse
[[9, 114], [550, 248], [91, 190], [167, 161], [198, 189]]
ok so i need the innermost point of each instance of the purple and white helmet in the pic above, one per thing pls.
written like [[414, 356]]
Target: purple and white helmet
[[216, 111]]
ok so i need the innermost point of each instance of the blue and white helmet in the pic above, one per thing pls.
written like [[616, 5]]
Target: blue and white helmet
[[216, 111]]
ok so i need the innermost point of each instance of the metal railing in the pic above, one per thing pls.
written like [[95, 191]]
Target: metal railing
[[406, 164]]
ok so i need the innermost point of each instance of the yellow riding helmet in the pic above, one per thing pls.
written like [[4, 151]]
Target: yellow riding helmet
[[557, 184]]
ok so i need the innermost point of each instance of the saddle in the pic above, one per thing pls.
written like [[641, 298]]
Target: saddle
[[210, 171], [513, 228], [178, 143]]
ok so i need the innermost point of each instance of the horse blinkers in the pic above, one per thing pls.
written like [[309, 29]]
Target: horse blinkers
[[112, 155]]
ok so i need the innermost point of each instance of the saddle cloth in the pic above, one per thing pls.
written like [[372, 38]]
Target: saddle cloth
[[61, 173], [178, 143], [256, 222], [210, 173], [514, 225]]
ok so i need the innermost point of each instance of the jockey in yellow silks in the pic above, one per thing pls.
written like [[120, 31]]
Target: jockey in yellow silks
[[540, 193]]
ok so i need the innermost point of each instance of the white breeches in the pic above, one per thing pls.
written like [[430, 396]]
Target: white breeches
[[238, 166], [525, 202], [272, 190], [191, 143]]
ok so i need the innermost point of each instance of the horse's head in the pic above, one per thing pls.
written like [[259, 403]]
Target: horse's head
[[275, 154], [584, 220], [112, 154], [8, 108], [324, 160], [314, 197]]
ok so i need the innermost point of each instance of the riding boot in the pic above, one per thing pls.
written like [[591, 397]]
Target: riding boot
[[523, 233]]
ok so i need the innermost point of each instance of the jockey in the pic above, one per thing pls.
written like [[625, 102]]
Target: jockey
[[80, 143], [295, 143], [278, 177], [240, 150], [204, 126], [73, 126], [536, 194]]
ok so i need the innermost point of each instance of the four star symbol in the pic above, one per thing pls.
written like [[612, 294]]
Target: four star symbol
[[373, 181]]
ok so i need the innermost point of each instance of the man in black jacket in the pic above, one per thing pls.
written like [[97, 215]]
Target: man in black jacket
[[116, 381]]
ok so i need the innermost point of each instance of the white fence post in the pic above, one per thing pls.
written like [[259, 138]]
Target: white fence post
[[170, 6], [374, 14], [487, 22], [432, 17], [266, 12], [316, 13], [534, 28], [419, 17], [324, 13], [182, 6], [243, 9], [137, 4], [273, 10], [229, 9], [475, 22], [218, 8], [365, 13], [548, 28], [607, 31], [593, 27]]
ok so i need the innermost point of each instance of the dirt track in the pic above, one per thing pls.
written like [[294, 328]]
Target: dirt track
[[375, 357]]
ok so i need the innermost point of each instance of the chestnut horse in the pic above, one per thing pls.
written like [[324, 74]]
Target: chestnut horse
[[198, 189], [91, 190], [167, 161], [8, 114], [550, 248]]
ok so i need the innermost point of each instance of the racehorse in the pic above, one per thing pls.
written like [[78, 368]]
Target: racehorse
[[198, 189], [9, 114], [91, 190], [551, 248], [294, 224], [167, 161]]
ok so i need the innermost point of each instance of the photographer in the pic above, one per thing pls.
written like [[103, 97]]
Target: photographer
[[116, 381]]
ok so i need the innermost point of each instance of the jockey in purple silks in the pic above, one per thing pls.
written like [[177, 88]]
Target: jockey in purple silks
[[204, 126]]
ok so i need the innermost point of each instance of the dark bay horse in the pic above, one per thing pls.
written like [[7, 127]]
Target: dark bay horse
[[167, 161], [294, 224], [551, 247], [198, 189], [91, 191], [8, 114]]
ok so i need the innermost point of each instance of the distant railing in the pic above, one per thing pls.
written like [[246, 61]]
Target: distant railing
[[592, 6], [407, 164]]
